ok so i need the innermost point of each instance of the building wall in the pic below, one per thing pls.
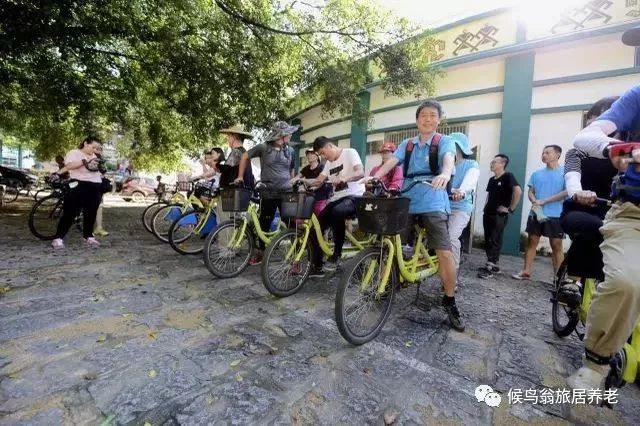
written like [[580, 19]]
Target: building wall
[[573, 67]]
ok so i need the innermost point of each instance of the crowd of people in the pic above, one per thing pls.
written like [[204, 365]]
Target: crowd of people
[[564, 200]]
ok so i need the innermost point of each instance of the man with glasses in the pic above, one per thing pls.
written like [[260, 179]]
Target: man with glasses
[[503, 196]]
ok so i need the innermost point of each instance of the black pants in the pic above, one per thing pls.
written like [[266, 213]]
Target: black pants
[[268, 207], [85, 197], [334, 215], [584, 258], [493, 232]]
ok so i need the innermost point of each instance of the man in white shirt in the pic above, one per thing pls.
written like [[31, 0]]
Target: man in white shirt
[[343, 169]]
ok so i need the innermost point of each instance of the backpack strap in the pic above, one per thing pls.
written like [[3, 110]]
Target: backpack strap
[[407, 157], [433, 153]]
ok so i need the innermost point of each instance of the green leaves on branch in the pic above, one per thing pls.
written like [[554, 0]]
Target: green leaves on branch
[[160, 77]]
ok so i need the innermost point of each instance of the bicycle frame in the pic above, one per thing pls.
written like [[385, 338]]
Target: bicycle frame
[[421, 265], [204, 219], [238, 232]]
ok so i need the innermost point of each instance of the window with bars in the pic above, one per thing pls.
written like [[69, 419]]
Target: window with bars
[[446, 129], [374, 146]]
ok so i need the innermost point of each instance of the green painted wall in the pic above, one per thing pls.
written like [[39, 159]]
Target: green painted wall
[[514, 132], [359, 126]]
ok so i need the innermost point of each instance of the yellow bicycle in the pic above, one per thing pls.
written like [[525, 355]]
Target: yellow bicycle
[[187, 233], [164, 216], [367, 286], [288, 258], [227, 250]]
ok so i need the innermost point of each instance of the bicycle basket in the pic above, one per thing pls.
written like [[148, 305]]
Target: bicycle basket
[[297, 205], [382, 216], [184, 186], [235, 199]]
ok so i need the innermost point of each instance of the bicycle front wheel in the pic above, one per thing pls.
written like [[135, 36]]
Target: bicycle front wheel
[[163, 219], [282, 275], [44, 217], [10, 194], [226, 251], [360, 309], [182, 234], [148, 213], [564, 318]]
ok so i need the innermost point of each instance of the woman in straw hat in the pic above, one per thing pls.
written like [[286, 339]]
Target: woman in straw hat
[[236, 136]]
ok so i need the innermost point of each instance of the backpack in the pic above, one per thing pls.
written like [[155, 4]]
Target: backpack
[[433, 157], [433, 160]]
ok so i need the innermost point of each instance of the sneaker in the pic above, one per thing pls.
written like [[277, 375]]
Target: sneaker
[[569, 294], [256, 259], [100, 233], [590, 376], [332, 263], [296, 269], [521, 276], [407, 251], [493, 267], [57, 243], [316, 273], [91, 242], [454, 317], [485, 273]]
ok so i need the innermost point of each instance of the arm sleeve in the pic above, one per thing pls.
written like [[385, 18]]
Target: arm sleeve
[[573, 171], [355, 158], [256, 151], [593, 139], [397, 178], [624, 111], [400, 151], [447, 146], [73, 155], [470, 180], [513, 182], [532, 180]]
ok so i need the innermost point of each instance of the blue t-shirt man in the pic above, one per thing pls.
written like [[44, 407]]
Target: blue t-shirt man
[[425, 199], [546, 183]]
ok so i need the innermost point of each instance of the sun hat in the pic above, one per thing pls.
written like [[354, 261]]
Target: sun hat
[[387, 146], [237, 130], [280, 129], [462, 141]]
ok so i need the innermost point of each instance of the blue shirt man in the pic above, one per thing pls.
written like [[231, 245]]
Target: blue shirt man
[[432, 203], [546, 183], [425, 199]]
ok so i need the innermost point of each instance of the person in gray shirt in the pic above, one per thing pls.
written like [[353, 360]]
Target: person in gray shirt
[[277, 169]]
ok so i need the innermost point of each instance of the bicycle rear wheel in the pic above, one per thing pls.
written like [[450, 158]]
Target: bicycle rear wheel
[[564, 318], [227, 254], [148, 213], [360, 311], [162, 221], [282, 276], [10, 194], [44, 217], [182, 236]]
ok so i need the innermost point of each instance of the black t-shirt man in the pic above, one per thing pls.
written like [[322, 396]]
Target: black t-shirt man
[[500, 192]]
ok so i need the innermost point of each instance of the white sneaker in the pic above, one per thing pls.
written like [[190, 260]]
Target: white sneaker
[[57, 243], [91, 242], [590, 376]]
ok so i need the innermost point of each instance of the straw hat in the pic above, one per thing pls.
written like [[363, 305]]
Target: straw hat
[[237, 130]]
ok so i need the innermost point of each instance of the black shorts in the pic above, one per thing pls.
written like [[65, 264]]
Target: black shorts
[[550, 228], [437, 227]]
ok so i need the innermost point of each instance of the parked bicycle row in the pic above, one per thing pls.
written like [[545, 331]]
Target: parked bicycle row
[[405, 230]]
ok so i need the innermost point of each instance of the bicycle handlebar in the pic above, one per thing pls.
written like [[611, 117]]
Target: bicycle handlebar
[[395, 192]]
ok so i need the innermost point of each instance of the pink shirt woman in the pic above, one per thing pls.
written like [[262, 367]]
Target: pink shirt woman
[[393, 179]]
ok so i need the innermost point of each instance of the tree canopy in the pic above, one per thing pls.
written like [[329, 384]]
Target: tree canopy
[[162, 76]]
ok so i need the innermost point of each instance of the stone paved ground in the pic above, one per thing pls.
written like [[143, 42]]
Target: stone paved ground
[[134, 333]]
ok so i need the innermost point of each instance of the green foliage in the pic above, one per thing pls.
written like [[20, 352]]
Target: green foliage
[[160, 77]]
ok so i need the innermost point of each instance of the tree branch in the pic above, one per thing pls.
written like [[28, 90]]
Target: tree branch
[[251, 22]]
